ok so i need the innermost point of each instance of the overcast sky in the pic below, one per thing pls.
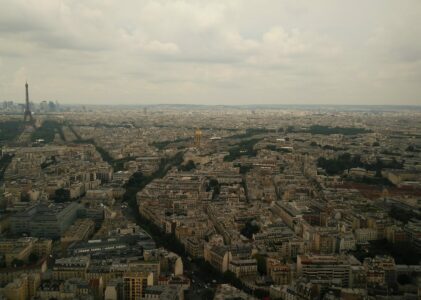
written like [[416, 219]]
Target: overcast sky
[[211, 51]]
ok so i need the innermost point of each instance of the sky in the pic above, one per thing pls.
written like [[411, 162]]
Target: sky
[[212, 51]]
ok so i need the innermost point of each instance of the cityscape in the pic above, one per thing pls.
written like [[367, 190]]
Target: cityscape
[[210, 150], [203, 202]]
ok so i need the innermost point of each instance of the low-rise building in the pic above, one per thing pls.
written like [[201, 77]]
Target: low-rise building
[[135, 284], [243, 267], [70, 267], [327, 267], [81, 230]]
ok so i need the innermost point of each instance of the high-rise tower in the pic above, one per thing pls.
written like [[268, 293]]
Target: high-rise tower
[[27, 113]]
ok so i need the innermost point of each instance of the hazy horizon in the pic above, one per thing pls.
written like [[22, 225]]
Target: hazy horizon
[[213, 53]]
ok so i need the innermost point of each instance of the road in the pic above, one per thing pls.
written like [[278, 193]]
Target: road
[[202, 285]]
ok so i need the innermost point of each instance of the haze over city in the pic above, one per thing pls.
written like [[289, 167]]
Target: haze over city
[[210, 150], [212, 52]]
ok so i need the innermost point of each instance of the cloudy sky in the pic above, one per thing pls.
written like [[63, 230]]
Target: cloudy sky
[[211, 51]]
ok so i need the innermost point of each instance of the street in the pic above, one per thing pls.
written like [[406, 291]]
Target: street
[[202, 283]]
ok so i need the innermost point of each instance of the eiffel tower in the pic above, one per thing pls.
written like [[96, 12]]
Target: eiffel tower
[[27, 113]]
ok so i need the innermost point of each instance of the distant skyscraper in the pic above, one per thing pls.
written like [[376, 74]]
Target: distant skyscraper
[[27, 113]]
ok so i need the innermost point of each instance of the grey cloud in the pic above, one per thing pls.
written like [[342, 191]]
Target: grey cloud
[[238, 51]]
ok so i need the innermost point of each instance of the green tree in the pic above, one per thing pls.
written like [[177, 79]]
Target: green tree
[[61, 195], [33, 258], [16, 263], [404, 279], [230, 277], [261, 264], [260, 294], [208, 294], [250, 228], [190, 165], [245, 169]]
